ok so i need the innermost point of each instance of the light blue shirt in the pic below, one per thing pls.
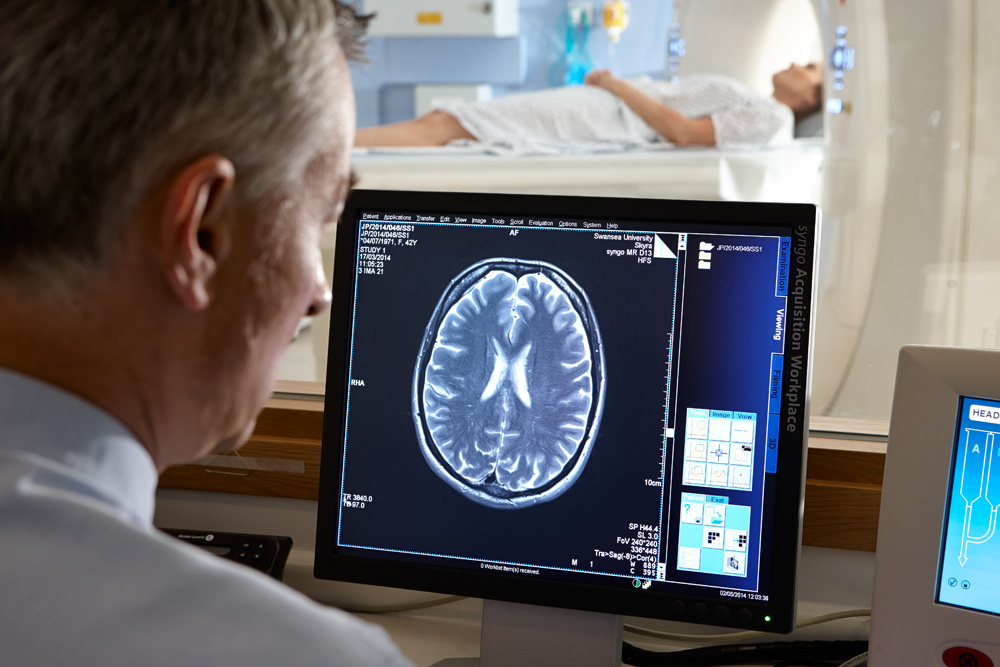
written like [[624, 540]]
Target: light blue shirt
[[85, 579]]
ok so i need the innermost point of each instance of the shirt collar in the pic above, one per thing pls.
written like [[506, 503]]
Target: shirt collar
[[91, 447]]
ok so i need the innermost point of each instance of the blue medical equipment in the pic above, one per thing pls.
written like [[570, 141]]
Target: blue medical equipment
[[579, 18]]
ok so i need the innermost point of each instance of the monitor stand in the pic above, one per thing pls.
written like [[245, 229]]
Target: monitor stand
[[528, 635]]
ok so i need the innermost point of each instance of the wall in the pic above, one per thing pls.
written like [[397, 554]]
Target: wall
[[533, 60]]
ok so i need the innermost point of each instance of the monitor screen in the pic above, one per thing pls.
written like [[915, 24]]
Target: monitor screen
[[591, 403], [970, 556]]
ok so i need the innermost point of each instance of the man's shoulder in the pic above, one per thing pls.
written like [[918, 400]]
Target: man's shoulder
[[227, 610], [169, 603], [257, 617]]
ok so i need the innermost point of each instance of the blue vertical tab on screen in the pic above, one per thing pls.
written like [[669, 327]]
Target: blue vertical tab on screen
[[773, 412], [784, 259], [771, 455], [774, 386]]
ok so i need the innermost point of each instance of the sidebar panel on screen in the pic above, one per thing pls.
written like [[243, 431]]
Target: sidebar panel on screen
[[730, 359]]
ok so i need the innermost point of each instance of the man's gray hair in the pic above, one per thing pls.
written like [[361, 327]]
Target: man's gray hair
[[101, 100]]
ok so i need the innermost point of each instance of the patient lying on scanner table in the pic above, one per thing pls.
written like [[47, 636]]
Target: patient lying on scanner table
[[612, 114]]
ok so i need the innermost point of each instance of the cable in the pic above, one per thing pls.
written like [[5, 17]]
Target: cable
[[857, 661], [742, 654], [741, 636]]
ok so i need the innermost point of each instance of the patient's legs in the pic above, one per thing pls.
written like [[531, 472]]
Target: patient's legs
[[435, 128]]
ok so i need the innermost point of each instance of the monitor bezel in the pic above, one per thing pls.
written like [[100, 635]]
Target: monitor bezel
[[329, 564]]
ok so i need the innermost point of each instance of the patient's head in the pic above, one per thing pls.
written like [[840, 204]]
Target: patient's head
[[800, 87]]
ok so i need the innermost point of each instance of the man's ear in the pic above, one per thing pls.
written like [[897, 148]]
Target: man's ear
[[193, 234]]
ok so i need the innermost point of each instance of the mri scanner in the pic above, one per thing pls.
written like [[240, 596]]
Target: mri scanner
[[905, 169], [909, 192], [909, 174]]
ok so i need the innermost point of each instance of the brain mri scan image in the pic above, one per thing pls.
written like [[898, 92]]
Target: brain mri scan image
[[508, 386]]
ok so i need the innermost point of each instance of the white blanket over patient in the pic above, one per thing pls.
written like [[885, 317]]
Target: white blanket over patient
[[587, 119]]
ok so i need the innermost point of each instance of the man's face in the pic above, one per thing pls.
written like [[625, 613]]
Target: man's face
[[276, 278]]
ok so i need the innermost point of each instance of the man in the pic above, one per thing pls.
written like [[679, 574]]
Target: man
[[166, 172], [616, 114]]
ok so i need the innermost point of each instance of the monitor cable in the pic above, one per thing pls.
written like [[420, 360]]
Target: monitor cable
[[857, 661]]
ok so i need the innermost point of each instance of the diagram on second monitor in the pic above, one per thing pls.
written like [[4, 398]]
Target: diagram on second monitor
[[979, 487]]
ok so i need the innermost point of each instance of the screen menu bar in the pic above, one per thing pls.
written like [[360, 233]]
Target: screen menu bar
[[482, 220]]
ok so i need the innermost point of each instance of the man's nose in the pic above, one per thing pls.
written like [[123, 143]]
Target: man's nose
[[321, 296]]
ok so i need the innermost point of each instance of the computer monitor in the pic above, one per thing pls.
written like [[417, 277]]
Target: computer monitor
[[598, 405], [937, 570]]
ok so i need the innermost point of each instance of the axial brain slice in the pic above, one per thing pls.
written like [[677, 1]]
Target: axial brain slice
[[509, 386]]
